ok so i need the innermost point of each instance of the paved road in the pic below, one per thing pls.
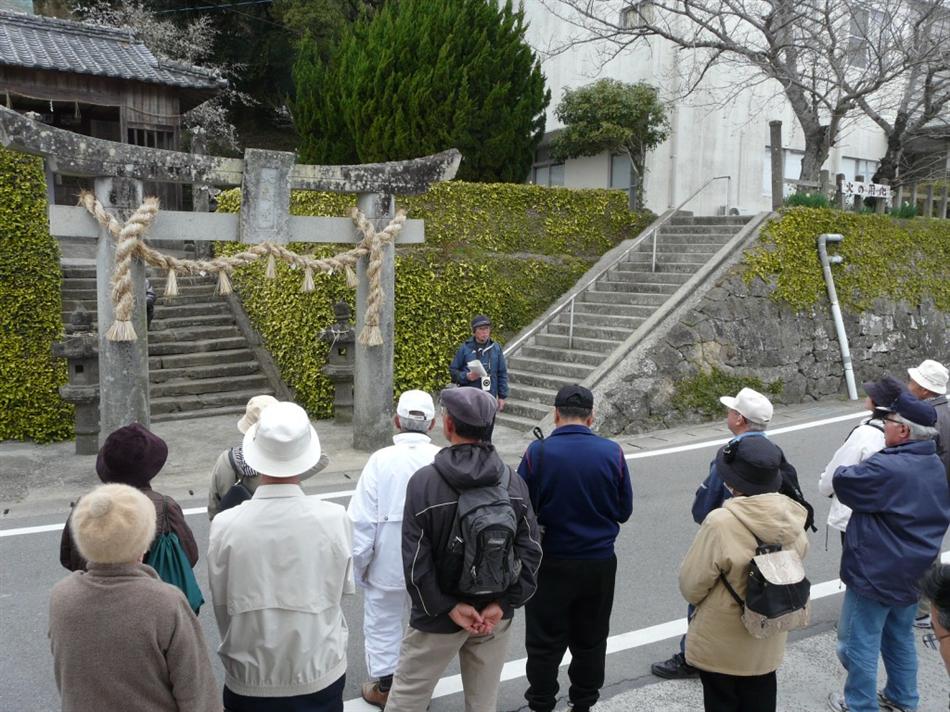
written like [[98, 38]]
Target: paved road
[[650, 548]]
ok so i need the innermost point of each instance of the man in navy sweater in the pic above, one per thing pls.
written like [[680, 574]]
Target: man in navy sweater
[[580, 490]]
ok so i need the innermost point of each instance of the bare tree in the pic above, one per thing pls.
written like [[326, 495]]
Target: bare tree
[[826, 56]]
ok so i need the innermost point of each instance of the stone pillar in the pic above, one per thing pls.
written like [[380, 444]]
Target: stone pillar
[[373, 376], [929, 201], [839, 191], [858, 199], [123, 365], [200, 194], [913, 197], [943, 203], [880, 204], [778, 164]]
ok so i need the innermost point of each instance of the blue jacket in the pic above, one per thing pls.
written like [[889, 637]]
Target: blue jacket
[[900, 505], [712, 492], [581, 492], [492, 359]]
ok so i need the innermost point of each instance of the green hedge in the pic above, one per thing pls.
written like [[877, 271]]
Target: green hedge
[[883, 257], [506, 250], [30, 316]]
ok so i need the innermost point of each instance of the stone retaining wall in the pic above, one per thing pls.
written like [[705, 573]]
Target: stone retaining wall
[[739, 330]]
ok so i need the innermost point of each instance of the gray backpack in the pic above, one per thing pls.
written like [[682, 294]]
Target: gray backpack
[[483, 539]]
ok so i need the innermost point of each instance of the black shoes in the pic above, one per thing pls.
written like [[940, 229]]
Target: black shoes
[[676, 668]]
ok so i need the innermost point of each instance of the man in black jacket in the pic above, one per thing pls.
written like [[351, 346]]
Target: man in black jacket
[[443, 622]]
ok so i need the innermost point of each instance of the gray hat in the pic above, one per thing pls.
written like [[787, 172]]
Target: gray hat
[[471, 406]]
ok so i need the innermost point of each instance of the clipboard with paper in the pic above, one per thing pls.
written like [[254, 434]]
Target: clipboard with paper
[[477, 367]]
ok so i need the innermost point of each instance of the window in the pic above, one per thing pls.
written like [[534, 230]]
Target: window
[[557, 174], [637, 15], [551, 174], [792, 167], [620, 171], [853, 167]]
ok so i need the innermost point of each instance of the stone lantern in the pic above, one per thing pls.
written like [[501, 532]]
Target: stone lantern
[[342, 339], [80, 348]]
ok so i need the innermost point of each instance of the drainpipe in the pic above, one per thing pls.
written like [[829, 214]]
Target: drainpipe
[[826, 262]]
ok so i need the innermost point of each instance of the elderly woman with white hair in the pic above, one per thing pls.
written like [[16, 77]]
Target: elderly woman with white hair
[[121, 638]]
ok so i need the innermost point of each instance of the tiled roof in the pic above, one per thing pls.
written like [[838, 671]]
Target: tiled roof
[[36, 42]]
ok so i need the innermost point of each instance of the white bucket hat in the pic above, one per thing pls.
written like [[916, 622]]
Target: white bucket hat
[[752, 405], [253, 411], [282, 443], [931, 375]]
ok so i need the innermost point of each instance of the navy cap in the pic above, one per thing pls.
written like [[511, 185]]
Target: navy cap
[[885, 391], [574, 396], [914, 410], [750, 465], [480, 320], [471, 406]]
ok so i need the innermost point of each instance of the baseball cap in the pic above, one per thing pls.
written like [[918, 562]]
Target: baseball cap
[[931, 375], [750, 465], [914, 410], [415, 405], [750, 404], [471, 406], [574, 396], [480, 320]]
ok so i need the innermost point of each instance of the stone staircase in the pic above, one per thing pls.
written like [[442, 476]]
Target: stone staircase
[[609, 312], [200, 363]]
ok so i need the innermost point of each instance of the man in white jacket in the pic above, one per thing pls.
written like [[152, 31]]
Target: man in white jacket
[[863, 441], [376, 513]]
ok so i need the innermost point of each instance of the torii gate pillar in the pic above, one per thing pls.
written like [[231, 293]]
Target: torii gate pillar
[[123, 365], [373, 372]]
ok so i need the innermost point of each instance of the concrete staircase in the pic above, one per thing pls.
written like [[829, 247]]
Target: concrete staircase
[[200, 363], [607, 313]]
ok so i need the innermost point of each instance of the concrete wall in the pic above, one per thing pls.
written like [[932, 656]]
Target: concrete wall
[[718, 130], [740, 330]]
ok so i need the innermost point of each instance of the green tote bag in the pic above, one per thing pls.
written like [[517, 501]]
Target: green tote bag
[[170, 562]]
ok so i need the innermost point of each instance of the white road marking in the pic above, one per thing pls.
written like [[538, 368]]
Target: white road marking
[[514, 669]]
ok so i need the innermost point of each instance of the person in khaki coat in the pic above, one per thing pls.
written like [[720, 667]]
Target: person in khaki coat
[[737, 670]]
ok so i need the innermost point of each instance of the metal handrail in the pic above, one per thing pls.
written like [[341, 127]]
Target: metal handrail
[[517, 343]]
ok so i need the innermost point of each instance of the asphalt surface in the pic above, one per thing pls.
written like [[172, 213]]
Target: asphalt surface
[[649, 550]]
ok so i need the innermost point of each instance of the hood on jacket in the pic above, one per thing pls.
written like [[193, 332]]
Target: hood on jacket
[[469, 465], [772, 517]]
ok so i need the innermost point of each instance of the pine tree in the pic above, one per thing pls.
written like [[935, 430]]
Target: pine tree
[[420, 77]]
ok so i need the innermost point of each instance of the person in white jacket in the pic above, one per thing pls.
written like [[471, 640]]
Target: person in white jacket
[[376, 513], [865, 440]]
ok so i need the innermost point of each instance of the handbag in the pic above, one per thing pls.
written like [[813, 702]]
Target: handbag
[[170, 562], [238, 492]]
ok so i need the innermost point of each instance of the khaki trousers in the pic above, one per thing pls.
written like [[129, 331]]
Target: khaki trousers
[[423, 658]]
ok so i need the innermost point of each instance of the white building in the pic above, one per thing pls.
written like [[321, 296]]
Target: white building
[[706, 138]]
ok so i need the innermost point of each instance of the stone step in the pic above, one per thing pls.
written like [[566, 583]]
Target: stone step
[[635, 273], [78, 271], [678, 238], [538, 379], [186, 334], [574, 372], [203, 413], [554, 354], [515, 422], [595, 295], [530, 409], [213, 370], [610, 285], [177, 404], [590, 332], [532, 394], [188, 386], [613, 309], [202, 358], [611, 320], [178, 310], [583, 344], [157, 284], [710, 220], [185, 322], [699, 249], [187, 348], [715, 231], [203, 290], [667, 261]]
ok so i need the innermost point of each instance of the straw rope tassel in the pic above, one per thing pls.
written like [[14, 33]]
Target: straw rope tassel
[[307, 285], [224, 283], [171, 284]]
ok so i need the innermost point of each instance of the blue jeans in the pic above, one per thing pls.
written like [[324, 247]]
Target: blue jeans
[[865, 629]]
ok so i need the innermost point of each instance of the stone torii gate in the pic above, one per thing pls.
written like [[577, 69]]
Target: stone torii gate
[[266, 179]]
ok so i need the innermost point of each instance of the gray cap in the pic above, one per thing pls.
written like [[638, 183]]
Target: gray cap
[[471, 406]]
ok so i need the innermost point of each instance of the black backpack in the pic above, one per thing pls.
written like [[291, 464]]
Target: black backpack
[[482, 540], [791, 489], [238, 492]]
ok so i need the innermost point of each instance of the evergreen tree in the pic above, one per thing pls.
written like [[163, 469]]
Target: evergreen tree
[[420, 77]]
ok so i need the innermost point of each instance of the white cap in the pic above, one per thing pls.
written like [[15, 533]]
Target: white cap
[[253, 411], [752, 405], [415, 405], [931, 375], [282, 443]]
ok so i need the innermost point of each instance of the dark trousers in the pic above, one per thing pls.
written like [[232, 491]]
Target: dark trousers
[[738, 693], [571, 610], [329, 699]]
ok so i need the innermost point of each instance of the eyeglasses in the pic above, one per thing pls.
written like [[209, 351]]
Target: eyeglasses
[[891, 420], [932, 640]]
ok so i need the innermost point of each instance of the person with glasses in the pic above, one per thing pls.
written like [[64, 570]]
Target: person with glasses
[[900, 510], [935, 587]]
